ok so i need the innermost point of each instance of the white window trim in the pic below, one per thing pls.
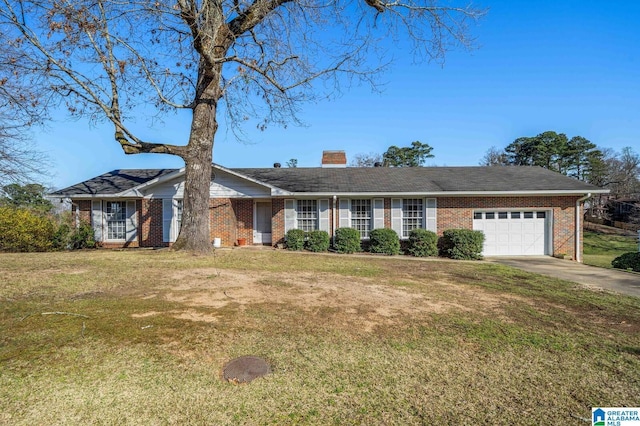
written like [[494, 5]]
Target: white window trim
[[291, 213], [107, 221], [429, 215]]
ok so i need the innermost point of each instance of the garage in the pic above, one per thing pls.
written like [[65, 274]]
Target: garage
[[513, 233]]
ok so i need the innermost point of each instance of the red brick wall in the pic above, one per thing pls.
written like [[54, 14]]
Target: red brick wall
[[243, 210], [222, 221], [150, 223], [85, 210], [457, 212], [277, 221]]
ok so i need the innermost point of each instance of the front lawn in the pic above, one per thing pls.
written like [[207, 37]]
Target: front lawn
[[599, 249], [141, 337]]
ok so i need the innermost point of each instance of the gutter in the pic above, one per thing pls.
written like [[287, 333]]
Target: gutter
[[578, 226]]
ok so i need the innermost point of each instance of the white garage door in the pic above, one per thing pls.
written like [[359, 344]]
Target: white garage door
[[513, 233]]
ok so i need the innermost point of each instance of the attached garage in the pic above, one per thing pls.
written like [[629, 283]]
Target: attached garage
[[514, 232]]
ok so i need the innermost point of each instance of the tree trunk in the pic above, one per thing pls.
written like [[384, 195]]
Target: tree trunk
[[194, 232]]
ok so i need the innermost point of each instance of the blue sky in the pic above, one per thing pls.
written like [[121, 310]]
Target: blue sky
[[568, 66]]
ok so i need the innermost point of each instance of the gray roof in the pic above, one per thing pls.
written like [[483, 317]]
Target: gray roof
[[416, 179], [113, 182], [363, 180]]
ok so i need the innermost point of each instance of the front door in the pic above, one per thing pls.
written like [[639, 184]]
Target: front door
[[262, 228]]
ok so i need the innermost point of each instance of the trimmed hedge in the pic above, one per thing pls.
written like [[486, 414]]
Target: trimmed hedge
[[295, 239], [423, 243], [385, 241], [317, 241], [23, 230], [629, 260], [347, 240], [463, 244]]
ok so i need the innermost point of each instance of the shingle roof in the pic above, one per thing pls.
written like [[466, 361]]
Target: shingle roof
[[362, 180], [113, 182], [416, 179]]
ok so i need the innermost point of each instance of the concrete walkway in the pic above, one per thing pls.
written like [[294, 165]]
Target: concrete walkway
[[590, 276]]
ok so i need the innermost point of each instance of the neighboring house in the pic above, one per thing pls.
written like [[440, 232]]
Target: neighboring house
[[521, 210]]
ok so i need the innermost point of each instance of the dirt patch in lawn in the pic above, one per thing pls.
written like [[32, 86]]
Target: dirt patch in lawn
[[369, 301]]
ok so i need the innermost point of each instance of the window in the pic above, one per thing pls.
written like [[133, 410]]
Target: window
[[490, 215], [477, 215], [116, 220], [541, 215], [502, 215], [411, 215], [528, 215], [515, 215], [361, 216], [307, 215], [179, 204]]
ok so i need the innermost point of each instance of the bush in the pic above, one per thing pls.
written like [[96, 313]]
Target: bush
[[347, 240], [627, 261], [384, 240], [23, 230], [70, 237], [82, 237], [317, 241], [423, 243], [295, 239], [463, 244]]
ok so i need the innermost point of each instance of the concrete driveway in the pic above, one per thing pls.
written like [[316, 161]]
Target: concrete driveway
[[590, 276]]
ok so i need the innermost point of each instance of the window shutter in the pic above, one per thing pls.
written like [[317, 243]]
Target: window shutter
[[96, 220], [378, 213], [290, 216], [131, 221], [345, 213], [323, 215], [430, 213], [175, 229], [167, 215], [396, 215]]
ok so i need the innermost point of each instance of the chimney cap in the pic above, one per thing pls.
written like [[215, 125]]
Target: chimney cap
[[277, 165]]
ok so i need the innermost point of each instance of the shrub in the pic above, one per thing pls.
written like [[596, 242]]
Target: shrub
[[317, 241], [23, 230], [82, 237], [423, 243], [295, 239], [384, 240], [347, 240], [627, 261], [70, 237], [463, 244]]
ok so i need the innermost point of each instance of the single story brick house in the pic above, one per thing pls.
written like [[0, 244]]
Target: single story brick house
[[521, 210]]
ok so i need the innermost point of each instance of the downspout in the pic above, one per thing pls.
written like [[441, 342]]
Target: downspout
[[333, 217], [579, 226]]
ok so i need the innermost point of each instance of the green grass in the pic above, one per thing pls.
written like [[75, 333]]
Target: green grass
[[351, 340], [600, 249]]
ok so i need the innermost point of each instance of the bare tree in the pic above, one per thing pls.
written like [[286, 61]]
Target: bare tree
[[20, 109], [494, 157], [253, 60], [366, 160]]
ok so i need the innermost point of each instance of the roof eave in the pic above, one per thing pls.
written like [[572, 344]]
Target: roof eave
[[454, 193]]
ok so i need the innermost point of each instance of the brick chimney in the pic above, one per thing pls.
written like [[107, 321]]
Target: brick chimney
[[334, 159]]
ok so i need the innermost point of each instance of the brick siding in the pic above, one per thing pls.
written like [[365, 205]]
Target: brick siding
[[231, 219]]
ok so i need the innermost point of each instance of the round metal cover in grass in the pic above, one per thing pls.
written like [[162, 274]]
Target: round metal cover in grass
[[245, 368]]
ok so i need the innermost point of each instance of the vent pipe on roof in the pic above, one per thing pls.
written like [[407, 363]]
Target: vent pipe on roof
[[377, 164], [277, 165]]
